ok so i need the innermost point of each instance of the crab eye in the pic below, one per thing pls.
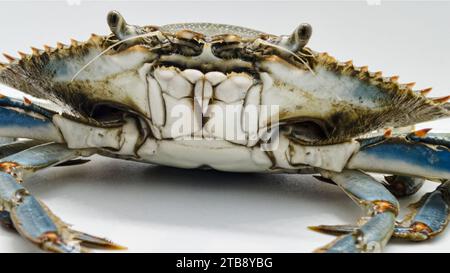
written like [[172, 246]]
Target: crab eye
[[307, 132], [113, 19]]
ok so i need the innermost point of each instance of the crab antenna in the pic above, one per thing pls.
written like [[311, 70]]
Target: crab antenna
[[298, 39], [119, 26]]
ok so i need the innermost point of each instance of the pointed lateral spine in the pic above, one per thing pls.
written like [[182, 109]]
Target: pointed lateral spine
[[95, 39], [408, 85], [441, 100], [425, 92], [364, 68], [22, 55], [10, 58], [48, 48], [36, 52], [60, 45], [74, 42], [378, 74], [394, 78], [347, 67]]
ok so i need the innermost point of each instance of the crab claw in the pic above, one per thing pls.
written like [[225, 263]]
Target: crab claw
[[412, 155], [37, 223], [96, 242]]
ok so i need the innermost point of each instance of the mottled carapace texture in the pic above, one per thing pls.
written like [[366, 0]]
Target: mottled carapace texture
[[341, 100]]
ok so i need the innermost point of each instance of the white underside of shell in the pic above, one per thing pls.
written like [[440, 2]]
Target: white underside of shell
[[189, 103], [212, 120]]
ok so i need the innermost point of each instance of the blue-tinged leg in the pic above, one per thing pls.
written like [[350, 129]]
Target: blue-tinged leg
[[16, 123], [17, 146], [6, 140], [9, 149], [425, 157], [26, 105], [402, 186], [29, 216], [429, 216], [23, 119], [380, 206]]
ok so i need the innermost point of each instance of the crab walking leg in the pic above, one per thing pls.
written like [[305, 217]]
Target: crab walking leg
[[429, 216], [380, 206], [30, 217], [9, 149], [18, 146], [410, 156]]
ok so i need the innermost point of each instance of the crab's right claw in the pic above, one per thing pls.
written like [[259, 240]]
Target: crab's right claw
[[34, 221]]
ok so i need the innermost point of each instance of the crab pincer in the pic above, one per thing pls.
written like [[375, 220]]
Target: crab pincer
[[26, 214]]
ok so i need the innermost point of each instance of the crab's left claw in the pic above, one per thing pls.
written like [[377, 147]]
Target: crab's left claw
[[26, 214]]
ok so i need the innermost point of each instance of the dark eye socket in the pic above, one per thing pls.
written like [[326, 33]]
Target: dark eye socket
[[307, 132], [106, 113]]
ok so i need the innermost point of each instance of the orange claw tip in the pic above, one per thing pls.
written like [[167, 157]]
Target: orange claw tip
[[315, 228], [442, 99], [422, 132], [2, 96], [9, 57], [410, 84], [388, 133], [425, 91], [332, 230], [115, 246], [27, 101]]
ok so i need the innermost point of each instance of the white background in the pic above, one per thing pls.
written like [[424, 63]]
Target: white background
[[159, 209]]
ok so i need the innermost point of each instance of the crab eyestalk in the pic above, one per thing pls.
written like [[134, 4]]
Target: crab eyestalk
[[298, 39], [119, 26]]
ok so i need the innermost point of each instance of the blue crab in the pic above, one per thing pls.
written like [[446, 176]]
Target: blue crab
[[147, 93]]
